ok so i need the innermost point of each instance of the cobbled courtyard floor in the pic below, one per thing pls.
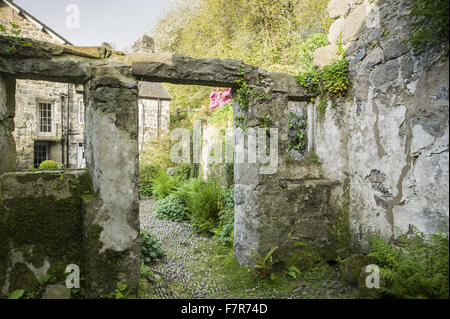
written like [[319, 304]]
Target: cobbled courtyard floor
[[191, 269]]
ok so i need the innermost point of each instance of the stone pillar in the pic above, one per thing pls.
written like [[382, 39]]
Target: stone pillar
[[7, 113], [288, 207], [111, 238]]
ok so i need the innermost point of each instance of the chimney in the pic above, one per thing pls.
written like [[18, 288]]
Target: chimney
[[146, 44]]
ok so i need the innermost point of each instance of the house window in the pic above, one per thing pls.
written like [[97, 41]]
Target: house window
[[80, 111], [45, 119], [40, 153]]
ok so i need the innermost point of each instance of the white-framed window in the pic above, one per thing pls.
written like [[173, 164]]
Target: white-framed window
[[80, 111], [45, 119], [40, 153]]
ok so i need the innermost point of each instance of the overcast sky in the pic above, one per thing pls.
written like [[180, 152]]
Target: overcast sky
[[118, 21]]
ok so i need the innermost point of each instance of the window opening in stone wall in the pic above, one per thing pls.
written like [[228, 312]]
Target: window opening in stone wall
[[40, 153], [45, 119], [80, 111]]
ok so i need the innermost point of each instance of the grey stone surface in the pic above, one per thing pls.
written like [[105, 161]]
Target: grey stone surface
[[325, 55], [7, 112], [337, 8], [112, 158], [391, 138]]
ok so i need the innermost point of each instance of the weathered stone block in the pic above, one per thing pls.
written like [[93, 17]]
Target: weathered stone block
[[325, 55]]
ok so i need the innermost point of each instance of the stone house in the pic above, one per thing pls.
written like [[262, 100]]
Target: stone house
[[49, 122]]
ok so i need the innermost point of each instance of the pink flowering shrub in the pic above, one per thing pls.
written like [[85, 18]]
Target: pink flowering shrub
[[219, 97]]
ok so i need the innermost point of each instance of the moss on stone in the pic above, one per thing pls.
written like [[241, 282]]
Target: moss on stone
[[44, 227], [104, 268], [4, 245], [351, 268], [21, 277], [340, 233], [303, 256]]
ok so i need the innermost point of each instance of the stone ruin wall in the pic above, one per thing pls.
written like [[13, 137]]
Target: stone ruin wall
[[388, 140]]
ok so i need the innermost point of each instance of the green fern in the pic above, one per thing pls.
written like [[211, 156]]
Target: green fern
[[164, 185], [416, 267]]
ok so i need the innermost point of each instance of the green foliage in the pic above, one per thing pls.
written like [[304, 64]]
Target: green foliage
[[263, 263], [16, 294], [151, 250], [146, 174], [308, 75], [146, 271], [183, 171], [298, 125], [221, 118], [335, 78], [262, 33], [120, 293], [329, 82], [225, 231], [156, 153], [430, 24], [48, 165], [171, 208], [244, 94], [292, 272], [266, 121], [203, 201], [12, 31], [417, 267], [164, 185]]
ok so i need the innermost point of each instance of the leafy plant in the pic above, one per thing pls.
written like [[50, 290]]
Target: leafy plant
[[335, 78], [120, 293], [146, 175], [164, 185], [245, 94], [151, 250], [146, 271], [13, 33], [203, 201], [292, 272], [416, 267], [308, 75], [49, 165], [17, 294], [222, 117], [171, 208], [182, 171], [298, 139], [430, 24], [263, 263], [266, 121], [329, 82]]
